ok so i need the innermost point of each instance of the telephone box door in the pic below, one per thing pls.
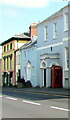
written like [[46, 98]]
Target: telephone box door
[[56, 76]]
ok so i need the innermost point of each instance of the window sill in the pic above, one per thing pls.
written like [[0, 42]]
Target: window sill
[[66, 70], [46, 40], [54, 38], [65, 30]]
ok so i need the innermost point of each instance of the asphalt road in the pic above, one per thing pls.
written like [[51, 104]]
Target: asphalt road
[[16, 104]]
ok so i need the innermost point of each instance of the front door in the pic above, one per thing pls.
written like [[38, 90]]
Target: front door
[[44, 77]]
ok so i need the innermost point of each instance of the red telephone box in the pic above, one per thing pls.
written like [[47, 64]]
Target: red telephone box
[[56, 76]]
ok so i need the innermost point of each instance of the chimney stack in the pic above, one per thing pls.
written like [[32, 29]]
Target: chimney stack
[[33, 31]]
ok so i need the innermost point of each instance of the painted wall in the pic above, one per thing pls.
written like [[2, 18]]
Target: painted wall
[[52, 46], [28, 57], [19, 43], [6, 55]]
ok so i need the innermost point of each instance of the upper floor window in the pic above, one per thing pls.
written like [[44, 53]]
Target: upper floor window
[[4, 48], [11, 62], [54, 31], [65, 21], [24, 55], [7, 47], [4, 63], [7, 63], [10, 46], [45, 33], [66, 58], [18, 59]]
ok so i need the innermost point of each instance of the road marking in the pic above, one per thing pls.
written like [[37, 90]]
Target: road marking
[[62, 109], [62, 95], [11, 98], [29, 102]]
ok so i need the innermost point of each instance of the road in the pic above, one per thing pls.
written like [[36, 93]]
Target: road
[[22, 104]]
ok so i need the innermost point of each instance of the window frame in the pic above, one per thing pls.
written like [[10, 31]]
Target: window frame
[[7, 63], [65, 22], [7, 47], [11, 46], [4, 63], [66, 59], [11, 62], [4, 48], [54, 30], [45, 33], [19, 59]]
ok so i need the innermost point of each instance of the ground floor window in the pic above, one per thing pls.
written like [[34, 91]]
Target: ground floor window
[[66, 59]]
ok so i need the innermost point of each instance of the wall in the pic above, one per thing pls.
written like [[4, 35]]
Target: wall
[[57, 44], [31, 57]]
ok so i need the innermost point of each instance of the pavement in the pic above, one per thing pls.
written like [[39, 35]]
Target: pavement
[[56, 91]]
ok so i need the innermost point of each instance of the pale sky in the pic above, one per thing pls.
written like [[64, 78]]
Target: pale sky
[[17, 15]]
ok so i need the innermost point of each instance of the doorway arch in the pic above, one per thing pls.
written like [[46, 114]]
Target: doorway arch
[[54, 64]]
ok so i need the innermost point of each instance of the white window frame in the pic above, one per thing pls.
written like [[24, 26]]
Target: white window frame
[[66, 59], [66, 22], [54, 31], [45, 33]]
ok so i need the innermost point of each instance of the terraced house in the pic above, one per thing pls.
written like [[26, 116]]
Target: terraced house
[[8, 58], [26, 66], [53, 50], [28, 54]]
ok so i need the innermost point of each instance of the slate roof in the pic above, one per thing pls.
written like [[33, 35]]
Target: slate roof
[[21, 36]]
